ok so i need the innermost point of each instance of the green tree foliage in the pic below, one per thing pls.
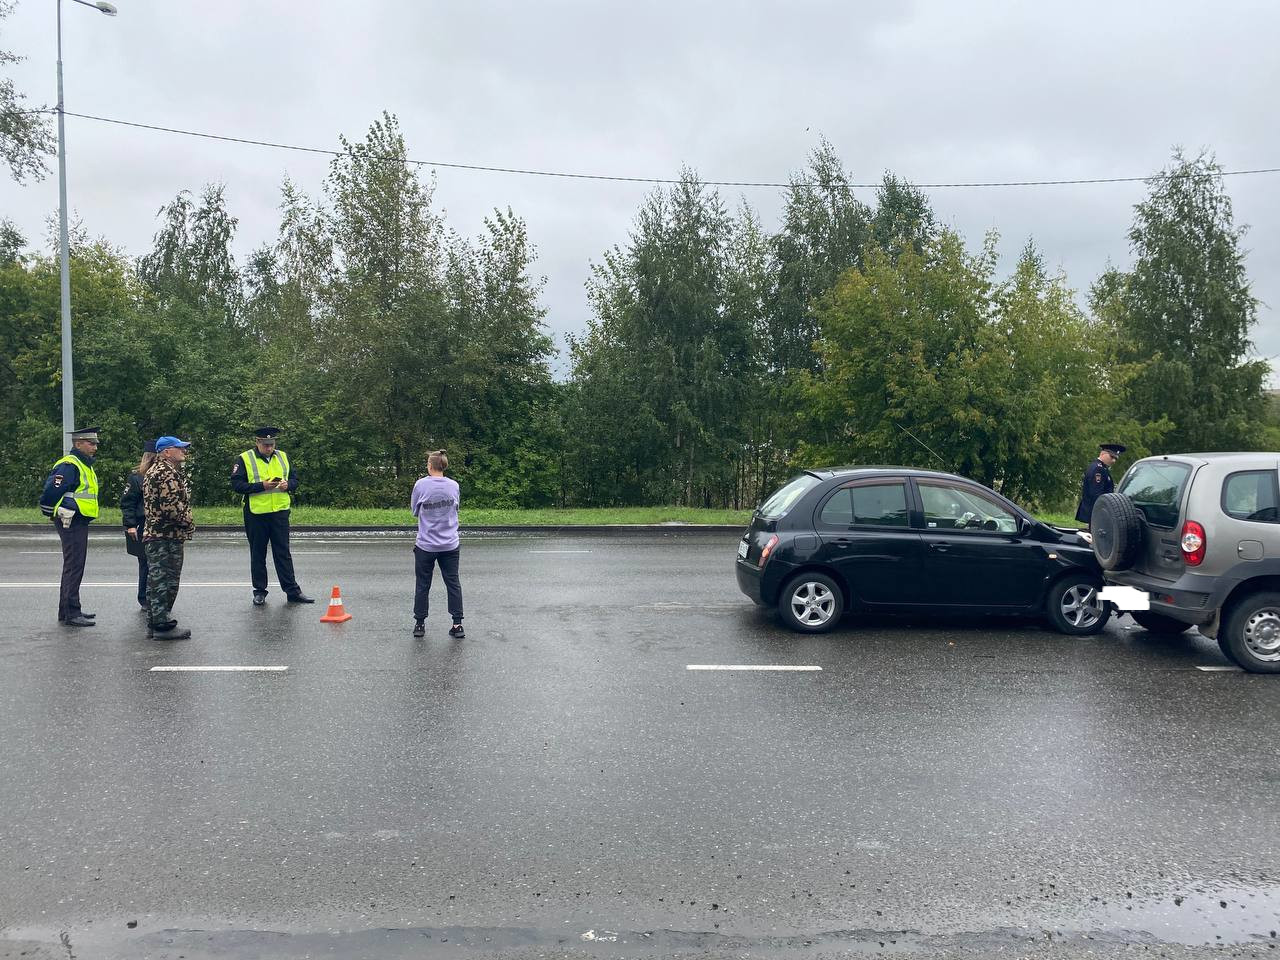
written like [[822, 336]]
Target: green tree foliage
[[661, 381], [929, 361], [26, 137], [1184, 312]]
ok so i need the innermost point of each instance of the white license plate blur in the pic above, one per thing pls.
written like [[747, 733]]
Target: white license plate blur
[[742, 549], [1126, 598]]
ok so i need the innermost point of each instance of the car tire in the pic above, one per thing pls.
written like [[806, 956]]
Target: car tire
[[811, 603], [1250, 634], [1073, 607], [1159, 623], [1117, 529]]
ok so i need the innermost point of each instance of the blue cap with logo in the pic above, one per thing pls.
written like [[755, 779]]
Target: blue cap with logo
[[164, 443]]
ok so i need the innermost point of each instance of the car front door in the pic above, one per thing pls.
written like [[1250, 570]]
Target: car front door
[[866, 532], [975, 555]]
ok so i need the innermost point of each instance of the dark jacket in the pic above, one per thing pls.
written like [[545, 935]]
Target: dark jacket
[[61, 482], [1096, 482], [131, 512]]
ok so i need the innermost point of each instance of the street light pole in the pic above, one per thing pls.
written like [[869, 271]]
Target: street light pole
[[68, 380]]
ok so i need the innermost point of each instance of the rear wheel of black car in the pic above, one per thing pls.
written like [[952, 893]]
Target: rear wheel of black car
[[1116, 526], [1074, 607], [811, 603], [1159, 623], [1250, 633]]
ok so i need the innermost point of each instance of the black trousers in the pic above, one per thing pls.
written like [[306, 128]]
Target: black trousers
[[75, 548], [272, 528], [142, 579], [424, 564]]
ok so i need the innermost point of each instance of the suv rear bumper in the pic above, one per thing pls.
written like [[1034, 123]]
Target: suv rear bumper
[[1191, 598]]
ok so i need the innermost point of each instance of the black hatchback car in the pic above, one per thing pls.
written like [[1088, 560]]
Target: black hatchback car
[[894, 538]]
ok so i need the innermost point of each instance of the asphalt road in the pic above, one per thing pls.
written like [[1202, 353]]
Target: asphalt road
[[559, 783]]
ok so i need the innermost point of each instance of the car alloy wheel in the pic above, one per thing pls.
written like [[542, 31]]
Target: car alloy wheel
[[1262, 634], [1080, 606], [812, 604]]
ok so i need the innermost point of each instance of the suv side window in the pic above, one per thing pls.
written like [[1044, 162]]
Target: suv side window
[[1155, 487], [866, 505], [950, 507], [1252, 495]]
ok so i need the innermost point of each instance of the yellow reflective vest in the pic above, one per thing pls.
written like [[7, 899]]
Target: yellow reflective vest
[[276, 468], [86, 494]]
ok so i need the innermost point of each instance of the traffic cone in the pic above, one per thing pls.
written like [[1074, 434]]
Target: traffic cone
[[337, 613]]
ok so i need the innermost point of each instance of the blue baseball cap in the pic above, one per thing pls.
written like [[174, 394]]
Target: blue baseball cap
[[164, 443]]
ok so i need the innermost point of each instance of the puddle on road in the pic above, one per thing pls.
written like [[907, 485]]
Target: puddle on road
[[1197, 914]]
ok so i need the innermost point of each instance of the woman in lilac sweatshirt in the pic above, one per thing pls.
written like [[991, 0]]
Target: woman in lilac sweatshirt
[[435, 502]]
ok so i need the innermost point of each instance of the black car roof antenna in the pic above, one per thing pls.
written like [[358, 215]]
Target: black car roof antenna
[[923, 444]]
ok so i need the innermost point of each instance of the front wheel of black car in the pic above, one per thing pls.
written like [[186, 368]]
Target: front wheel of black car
[[1074, 607], [1250, 633], [811, 603]]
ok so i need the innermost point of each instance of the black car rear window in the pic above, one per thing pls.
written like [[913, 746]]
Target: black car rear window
[[776, 506], [1155, 487], [869, 505]]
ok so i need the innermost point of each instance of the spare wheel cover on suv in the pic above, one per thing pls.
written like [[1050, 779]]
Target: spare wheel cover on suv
[[1116, 525]]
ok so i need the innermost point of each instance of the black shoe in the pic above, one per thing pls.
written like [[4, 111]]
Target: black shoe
[[419, 629], [164, 627], [173, 633], [300, 598], [79, 620], [259, 599], [90, 616], [457, 632]]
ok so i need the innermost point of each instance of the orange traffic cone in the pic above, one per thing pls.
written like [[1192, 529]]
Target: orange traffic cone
[[337, 613]]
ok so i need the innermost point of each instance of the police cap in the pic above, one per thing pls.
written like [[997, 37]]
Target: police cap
[[85, 433], [1113, 448], [267, 433]]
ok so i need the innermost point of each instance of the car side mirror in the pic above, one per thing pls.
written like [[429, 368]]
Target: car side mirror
[[1024, 526]]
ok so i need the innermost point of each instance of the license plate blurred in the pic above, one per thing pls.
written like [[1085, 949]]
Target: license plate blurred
[[742, 549]]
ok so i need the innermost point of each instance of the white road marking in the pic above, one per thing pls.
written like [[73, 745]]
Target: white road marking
[[233, 669], [748, 666], [32, 553], [120, 583], [559, 551], [316, 553], [1220, 669]]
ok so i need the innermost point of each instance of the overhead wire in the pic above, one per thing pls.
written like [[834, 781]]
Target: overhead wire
[[615, 178]]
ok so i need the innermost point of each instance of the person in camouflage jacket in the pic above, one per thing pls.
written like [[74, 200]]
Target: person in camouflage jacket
[[166, 506]]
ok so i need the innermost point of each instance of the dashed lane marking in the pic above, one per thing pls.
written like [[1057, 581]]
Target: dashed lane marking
[[559, 551], [1220, 669], [213, 669], [789, 667], [117, 583]]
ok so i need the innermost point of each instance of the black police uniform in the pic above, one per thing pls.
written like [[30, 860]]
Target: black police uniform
[[264, 528], [58, 487], [1097, 481]]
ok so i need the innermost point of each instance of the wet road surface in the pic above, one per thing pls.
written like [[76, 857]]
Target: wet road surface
[[559, 783]]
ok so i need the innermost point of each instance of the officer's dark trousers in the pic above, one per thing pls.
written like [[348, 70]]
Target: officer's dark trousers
[[424, 563], [142, 579], [272, 528], [75, 547], [164, 574]]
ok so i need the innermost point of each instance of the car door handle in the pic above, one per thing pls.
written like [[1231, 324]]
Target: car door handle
[[940, 547]]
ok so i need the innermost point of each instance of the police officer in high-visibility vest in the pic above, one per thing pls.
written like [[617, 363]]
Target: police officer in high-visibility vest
[[70, 498], [265, 478]]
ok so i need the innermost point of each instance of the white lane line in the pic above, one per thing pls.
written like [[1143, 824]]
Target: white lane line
[[749, 666], [117, 583], [229, 669], [1220, 669], [559, 551], [316, 553], [32, 553]]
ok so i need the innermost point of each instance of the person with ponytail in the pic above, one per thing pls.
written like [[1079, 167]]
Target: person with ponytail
[[435, 502], [134, 521]]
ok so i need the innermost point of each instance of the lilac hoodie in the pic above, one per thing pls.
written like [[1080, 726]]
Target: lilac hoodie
[[435, 503]]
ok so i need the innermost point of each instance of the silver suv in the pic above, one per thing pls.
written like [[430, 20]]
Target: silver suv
[[1200, 534]]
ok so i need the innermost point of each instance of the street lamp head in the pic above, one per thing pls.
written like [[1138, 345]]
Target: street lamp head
[[106, 8]]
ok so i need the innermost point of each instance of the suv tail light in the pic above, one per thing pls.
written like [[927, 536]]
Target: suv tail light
[[768, 549], [1193, 543]]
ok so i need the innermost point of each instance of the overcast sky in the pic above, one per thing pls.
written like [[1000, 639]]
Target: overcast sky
[[934, 91]]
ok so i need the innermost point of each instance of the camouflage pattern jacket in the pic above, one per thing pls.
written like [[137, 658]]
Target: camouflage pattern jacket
[[166, 502]]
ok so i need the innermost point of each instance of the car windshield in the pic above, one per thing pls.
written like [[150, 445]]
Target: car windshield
[[1155, 487], [777, 505]]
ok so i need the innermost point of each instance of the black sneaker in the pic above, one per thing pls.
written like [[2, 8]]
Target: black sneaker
[[259, 599], [173, 633], [419, 629], [457, 632]]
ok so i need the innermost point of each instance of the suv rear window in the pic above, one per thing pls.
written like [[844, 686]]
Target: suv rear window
[[777, 506], [1251, 495], [1155, 487]]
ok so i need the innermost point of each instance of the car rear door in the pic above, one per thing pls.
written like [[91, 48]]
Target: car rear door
[[865, 527], [1157, 489], [975, 555]]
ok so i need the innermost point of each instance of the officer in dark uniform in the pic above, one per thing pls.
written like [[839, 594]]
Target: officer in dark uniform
[[265, 478], [1097, 479], [70, 498]]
